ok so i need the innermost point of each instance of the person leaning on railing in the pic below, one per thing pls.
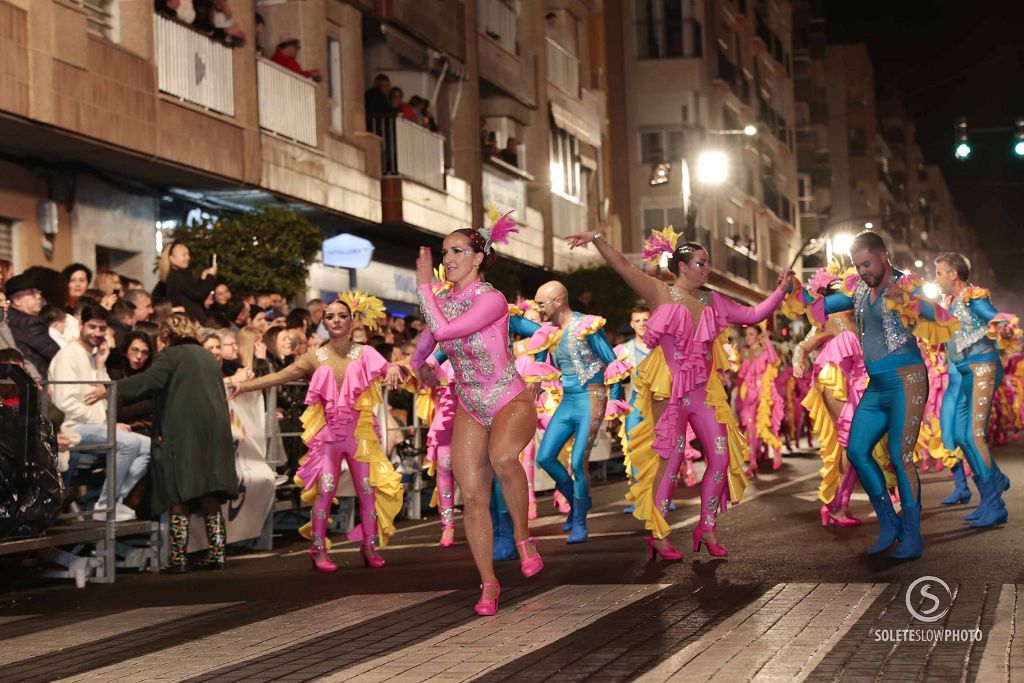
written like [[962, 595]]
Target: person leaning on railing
[[193, 460]]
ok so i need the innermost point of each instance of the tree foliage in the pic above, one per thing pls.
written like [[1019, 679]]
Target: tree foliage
[[270, 249], [611, 298]]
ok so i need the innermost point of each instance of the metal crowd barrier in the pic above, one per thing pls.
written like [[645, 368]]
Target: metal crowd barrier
[[101, 565]]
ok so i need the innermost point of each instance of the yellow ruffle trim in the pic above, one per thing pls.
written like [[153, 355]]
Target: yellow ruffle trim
[[387, 483], [825, 429], [596, 323], [936, 332], [763, 417], [654, 382]]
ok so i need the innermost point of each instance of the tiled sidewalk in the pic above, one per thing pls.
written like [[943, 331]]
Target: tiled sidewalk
[[615, 632]]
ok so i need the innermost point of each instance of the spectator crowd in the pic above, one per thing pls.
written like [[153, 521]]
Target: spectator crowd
[[77, 329]]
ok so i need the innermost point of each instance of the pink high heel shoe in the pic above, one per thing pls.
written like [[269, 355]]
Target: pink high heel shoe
[[667, 553], [325, 566], [485, 607], [530, 565], [714, 549], [561, 504], [447, 539], [828, 519], [531, 511], [826, 516], [370, 561]]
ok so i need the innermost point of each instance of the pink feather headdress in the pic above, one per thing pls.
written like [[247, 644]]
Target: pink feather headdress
[[500, 232], [660, 242]]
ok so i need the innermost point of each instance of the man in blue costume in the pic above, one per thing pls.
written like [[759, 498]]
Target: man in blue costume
[[975, 372], [633, 352], [889, 310], [581, 353]]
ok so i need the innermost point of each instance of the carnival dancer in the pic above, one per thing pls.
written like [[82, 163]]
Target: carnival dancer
[[435, 405], [974, 358], [587, 363], [686, 322], [929, 441], [839, 379], [633, 352], [339, 424], [495, 417], [889, 310], [758, 402]]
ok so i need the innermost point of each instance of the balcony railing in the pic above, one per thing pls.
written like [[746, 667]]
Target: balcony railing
[[410, 150], [287, 102], [563, 68], [496, 19], [567, 217], [192, 67]]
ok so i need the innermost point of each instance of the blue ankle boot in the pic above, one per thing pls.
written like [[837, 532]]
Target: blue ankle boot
[[504, 542], [993, 510], [911, 543], [961, 493], [580, 507], [974, 514], [889, 526]]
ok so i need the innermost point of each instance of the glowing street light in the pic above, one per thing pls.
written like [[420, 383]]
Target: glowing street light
[[869, 225], [712, 168], [842, 242], [931, 290], [918, 263], [750, 130]]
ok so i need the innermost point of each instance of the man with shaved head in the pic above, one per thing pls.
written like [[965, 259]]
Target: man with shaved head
[[581, 352]]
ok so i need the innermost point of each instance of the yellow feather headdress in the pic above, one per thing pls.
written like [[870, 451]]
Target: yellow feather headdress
[[366, 308]]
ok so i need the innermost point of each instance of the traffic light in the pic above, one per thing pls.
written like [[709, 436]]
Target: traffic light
[[1018, 137], [963, 149]]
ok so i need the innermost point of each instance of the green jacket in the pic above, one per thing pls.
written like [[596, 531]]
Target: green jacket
[[193, 452]]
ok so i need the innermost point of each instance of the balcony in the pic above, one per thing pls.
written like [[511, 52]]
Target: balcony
[[499, 22], [742, 261], [287, 102], [410, 150], [192, 67], [439, 23], [567, 216], [563, 68]]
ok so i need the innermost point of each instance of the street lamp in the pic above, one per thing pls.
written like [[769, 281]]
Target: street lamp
[[842, 242], [750, 130], [918, 263], [931, 290], [712, 167], [869, 225]]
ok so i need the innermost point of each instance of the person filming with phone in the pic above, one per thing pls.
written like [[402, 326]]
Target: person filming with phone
[[183, 288]]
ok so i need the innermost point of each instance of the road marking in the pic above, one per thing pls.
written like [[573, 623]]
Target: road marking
[[996, 661], [250, 641], [481, 645], [782, 635], [32, 645]]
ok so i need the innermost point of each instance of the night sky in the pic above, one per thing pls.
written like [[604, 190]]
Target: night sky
[[949, 59]]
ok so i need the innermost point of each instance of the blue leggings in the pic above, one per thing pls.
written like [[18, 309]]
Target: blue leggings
[[578, 417], [894, 403], [980, 376]]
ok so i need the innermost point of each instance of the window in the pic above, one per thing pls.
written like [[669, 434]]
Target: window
[[858, 142], [565, 164], [666, 29], [806, 192], [6, 241], [101, 18], [334, 96], [657, 218], [495, 18], [658, 146]]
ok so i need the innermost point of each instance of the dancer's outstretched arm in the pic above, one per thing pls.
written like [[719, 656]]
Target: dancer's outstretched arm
[[650, 289]]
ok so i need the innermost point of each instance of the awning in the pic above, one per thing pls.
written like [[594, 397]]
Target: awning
[[588, 131], [413, 51]]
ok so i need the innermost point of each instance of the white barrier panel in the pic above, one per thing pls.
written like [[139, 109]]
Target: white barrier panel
[[193, 67], [287, 102]]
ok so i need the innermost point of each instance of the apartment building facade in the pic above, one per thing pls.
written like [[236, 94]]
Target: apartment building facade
[[117, 122], [684, 78]]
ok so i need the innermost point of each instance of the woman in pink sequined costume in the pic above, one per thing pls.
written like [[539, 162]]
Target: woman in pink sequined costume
[[685, 324], [436, 405], [496, 417], [344, 391], [758, 401]]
